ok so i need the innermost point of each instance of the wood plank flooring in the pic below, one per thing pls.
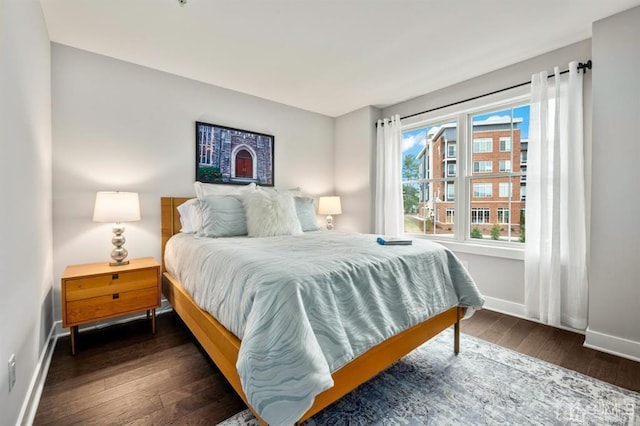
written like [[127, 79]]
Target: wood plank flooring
[[124, 375]]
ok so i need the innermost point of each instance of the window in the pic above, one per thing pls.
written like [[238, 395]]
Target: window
[[429, 174], [482, 190], [505, 189], [451, 192], [503, 215], [451, 150], [504, 166], [505, 144], [482, 166], [480, 215], [450, 214], [464, 166], [507, 127], [482, 145]]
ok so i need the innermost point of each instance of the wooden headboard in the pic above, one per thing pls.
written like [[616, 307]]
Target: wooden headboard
[[169, 220]]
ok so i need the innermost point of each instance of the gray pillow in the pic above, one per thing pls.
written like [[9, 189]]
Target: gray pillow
[[306, 213], [221, 216]]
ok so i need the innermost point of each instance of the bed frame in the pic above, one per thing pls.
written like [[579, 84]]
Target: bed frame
[[223, 346]]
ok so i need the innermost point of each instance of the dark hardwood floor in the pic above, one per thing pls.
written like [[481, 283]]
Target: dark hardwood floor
[[124, 375]]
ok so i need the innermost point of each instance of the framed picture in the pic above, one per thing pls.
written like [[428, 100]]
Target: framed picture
[[233, 156]]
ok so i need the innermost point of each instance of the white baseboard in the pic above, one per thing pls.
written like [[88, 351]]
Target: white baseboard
[[32, 398], [594, 340], [612, 345], [504, 306], [517, 310]]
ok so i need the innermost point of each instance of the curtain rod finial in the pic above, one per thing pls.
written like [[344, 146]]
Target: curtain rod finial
[[584, 66]]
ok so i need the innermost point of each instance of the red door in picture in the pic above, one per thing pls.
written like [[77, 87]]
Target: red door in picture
[[244, 164]]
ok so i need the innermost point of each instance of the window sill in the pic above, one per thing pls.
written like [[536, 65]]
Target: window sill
[[492, 250]]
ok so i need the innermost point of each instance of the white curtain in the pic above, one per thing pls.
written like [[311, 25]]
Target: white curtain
[[388, 214], [556, 240]]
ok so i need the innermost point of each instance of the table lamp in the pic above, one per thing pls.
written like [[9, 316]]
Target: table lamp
[[329, 206], [117, 207]]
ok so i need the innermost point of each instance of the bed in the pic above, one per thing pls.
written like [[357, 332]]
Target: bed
[[224, 347]]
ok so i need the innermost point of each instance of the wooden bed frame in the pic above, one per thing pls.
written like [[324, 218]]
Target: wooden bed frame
[[223, 346]]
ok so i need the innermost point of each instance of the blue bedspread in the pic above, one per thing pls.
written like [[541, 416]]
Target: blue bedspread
[[306, 305]]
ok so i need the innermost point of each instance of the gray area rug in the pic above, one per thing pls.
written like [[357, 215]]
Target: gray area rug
[[483, 385]]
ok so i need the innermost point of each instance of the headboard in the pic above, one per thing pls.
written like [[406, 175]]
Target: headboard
[[169, 220]]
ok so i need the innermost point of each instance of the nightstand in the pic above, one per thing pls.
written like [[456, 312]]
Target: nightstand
[[97, 291]]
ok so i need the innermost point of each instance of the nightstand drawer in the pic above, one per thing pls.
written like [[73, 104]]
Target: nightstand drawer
[[116, 303], [108, 284]]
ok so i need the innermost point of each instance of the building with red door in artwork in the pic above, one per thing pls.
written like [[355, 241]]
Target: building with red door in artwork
[[228, 155]]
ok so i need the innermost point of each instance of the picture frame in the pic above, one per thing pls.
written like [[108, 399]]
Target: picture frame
[[227, 155]]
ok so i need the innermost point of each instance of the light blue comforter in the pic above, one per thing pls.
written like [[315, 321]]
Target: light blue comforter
[[306, 305]]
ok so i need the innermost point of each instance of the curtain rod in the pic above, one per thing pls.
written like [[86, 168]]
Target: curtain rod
[[584, 66]]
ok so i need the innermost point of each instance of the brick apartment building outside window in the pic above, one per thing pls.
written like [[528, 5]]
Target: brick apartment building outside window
[[494, 179]]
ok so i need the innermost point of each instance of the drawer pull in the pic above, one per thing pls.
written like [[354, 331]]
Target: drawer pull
[[115, 295], [115, 276]]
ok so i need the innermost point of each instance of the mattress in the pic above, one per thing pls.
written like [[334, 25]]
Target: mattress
[[304, 306]]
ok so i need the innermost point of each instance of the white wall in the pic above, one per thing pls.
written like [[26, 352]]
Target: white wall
[[120, 126], [354, 161], [614, 285], [26, 316], [502, 279]]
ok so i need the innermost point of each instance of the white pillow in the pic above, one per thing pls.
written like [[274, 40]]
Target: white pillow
[[204, 189], [296, 192], [271, 213], [189, 216]]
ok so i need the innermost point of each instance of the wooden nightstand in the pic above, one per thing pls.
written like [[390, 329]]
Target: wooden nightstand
[[97, 291]]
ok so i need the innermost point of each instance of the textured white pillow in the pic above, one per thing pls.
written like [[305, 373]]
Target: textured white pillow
[[271, 213], [205, 189], [189, 217]]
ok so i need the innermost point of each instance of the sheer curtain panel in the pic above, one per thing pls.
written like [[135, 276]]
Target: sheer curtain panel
[[388, 212], [556, 241]]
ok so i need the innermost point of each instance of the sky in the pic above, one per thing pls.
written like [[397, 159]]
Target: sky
[[413, 141]]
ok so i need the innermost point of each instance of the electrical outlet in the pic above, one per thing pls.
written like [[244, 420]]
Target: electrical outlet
[[12, 371]]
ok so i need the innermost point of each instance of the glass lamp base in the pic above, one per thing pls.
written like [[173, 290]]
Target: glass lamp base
[[329, 222]]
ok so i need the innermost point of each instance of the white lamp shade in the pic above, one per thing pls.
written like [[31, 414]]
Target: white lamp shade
[[116, 207], [329, 205]]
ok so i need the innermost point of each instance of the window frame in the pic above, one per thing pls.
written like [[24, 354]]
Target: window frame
[[502, 166], [452, 147], [509, 189], [476, 193], [450, 213], [450, 191], [508, 144], [481, 170], [462, 114], [500, 214], [486, 210], [487, 141]]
